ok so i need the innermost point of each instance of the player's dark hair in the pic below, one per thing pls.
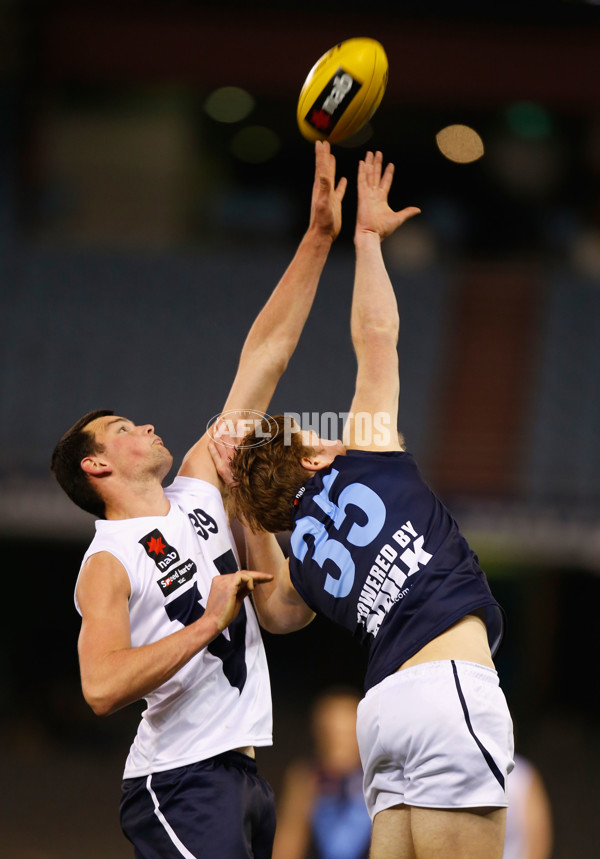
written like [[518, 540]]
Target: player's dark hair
[[75, 445], [268, 476]]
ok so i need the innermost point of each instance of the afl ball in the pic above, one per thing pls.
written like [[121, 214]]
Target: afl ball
[[343, 90]]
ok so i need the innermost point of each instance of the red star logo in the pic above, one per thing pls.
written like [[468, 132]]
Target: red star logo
[[156, 546], [320, 119]]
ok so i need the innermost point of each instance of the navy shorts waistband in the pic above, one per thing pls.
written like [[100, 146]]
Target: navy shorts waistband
[[224, 759], [234, 759]]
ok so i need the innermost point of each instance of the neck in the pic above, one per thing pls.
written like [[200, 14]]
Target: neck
[[131, 502]]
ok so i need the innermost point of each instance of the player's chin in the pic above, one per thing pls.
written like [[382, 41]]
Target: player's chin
[[164, 457]]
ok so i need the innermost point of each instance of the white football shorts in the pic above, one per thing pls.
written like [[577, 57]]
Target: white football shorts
[[437, 735]]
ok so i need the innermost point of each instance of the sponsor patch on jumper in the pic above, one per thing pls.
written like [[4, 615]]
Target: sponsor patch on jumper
[[390, 577], [177, 577], [157, 548]]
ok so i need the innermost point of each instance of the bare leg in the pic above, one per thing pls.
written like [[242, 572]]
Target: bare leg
[[392, 838], [458, 834], [405, 832]]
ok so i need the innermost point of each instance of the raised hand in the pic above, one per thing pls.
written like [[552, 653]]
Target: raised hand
[[326, 204], [224, 436], [222, 454], [374, 214]]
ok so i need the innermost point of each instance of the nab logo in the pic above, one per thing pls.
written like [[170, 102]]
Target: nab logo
[[157, 548], [339, 92]]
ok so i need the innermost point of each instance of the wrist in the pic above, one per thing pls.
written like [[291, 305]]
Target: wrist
[[366, 238], [207, 629], [319, 238]]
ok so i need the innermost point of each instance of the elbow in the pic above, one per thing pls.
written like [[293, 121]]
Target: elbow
[[269, 623], [102, 702], [374, 320], [275, 627], [279, 365], [274, 354], [291, 622], [100, 707], [375, 339], [278, 357]]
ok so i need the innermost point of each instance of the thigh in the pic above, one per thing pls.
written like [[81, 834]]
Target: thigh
[[458, 834], [392, 837], [405, 832], [215, 808]]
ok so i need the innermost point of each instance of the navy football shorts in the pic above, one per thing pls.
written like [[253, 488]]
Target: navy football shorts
[[219, 808]]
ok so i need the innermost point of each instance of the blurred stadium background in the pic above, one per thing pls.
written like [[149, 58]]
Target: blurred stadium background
[[153, 185]]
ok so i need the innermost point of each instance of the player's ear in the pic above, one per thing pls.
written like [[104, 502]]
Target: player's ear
[[95, 466], [316, 461]]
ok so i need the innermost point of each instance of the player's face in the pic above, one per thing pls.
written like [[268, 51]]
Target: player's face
[[130, 448]]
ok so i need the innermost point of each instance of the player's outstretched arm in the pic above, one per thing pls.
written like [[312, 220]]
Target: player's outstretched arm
[[113, 673], [277, 328], [374, 318]]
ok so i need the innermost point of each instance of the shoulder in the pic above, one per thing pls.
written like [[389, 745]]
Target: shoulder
[[191, 493], [195, 486], [355, 453], [114, 544], [198, 463], [102, 577], [102, 564], [365, 462]]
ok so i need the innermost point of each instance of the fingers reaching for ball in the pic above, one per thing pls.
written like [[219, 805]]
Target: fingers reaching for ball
[[326, 204], [374, 214]]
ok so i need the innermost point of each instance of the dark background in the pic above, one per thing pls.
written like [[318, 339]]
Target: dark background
[[139, 237]]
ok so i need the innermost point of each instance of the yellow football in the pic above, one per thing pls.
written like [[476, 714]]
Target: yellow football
[[343, 90]]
